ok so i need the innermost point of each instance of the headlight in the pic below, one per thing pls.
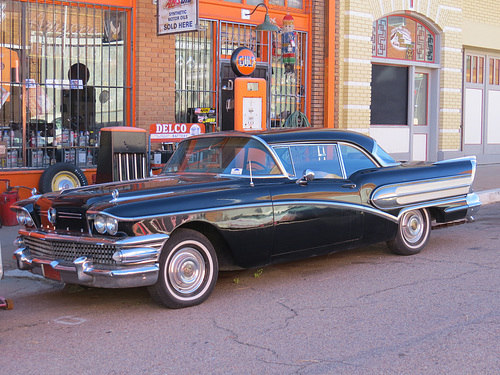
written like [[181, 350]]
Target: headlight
[[100, 224], [111, 225], [104, 223], [21, 217], [24, 218]]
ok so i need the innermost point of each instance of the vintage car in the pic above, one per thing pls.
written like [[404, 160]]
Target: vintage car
[[234, 200]]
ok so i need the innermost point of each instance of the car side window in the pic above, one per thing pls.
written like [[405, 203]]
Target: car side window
[[322, 159], [355, 159]]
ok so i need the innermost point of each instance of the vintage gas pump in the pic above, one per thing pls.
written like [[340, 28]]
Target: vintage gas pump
[[250, 94]]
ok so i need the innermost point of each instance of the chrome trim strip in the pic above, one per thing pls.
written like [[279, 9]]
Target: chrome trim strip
[[373, 210], [187, 212], [143, 196], [398, 195], [354, 206]]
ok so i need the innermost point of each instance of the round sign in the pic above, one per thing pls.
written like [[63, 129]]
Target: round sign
[[243, 61]]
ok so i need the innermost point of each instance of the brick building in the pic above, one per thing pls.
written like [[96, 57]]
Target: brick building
[[422, 77], [70, 69]]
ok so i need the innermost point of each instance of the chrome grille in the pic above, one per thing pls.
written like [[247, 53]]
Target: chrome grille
[[69, 251]]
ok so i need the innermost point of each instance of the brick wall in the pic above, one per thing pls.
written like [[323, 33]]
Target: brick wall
[[318, 49], [355, 28], [154, 70]]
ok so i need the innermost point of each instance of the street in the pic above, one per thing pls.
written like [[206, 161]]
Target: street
[[359, 312]]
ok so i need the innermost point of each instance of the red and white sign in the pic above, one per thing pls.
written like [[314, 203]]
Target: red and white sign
[[174, 132]]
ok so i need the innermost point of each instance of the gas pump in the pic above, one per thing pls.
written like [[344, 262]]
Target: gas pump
[[249, 101]]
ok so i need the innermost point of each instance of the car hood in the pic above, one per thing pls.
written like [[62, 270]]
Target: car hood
[[123, 198]]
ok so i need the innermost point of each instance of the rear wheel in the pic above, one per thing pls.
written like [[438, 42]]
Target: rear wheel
[[413, 232], [188, 270]]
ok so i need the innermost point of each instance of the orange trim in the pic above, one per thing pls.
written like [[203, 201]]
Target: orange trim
[[231, 12], [118, 3], [131, 78], [329, 115], [309, 71], [123, 129]]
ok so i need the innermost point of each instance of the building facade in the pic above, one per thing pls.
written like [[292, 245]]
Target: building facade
[[421, 76], [70, 69]]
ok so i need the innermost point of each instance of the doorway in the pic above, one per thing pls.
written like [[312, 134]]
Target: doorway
[[420, 118]]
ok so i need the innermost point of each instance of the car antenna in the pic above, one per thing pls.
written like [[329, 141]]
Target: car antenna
[[251, 177]]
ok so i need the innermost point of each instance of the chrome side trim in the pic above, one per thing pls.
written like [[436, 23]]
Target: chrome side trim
[[187, 212], [354, 206], [398, 195]]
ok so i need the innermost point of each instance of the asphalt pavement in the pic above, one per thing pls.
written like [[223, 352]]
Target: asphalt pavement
[[17, 283]]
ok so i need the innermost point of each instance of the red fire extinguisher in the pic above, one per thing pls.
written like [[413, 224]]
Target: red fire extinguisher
[[7, 198]]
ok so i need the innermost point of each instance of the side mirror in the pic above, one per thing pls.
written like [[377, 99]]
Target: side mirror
[[307, 175]]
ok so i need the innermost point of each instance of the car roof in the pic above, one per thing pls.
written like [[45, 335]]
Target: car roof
[[277, 136], [315, 135]]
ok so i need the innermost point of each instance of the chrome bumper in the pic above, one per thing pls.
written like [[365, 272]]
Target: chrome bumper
[[137, 265], [471, 202]]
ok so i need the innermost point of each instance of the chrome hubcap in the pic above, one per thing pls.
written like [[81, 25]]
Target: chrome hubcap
[[412, 226], [187, 270]]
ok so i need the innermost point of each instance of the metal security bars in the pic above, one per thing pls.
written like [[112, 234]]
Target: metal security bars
[[194, 74], [289, 81], [202, 71], [65, 79]]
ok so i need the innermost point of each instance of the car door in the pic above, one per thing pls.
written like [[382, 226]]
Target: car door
[[314, 215]]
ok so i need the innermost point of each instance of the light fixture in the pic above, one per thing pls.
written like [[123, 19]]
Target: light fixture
[[266, 25]]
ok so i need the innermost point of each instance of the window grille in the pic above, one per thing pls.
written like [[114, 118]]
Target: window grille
[[194, 78], [199, 65], [64, 79]]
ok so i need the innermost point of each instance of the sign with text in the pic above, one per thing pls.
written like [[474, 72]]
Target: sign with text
[[177, 16], [174, 132]]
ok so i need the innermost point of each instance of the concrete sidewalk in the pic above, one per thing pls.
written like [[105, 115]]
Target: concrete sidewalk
[[17, 283], [487, 183]]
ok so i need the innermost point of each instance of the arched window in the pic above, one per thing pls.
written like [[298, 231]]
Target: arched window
[[403, 38]]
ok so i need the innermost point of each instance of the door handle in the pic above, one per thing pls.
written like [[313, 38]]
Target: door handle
[[349, 186]]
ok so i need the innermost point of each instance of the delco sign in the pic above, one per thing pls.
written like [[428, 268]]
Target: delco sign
[[243, 61], [174, 132]]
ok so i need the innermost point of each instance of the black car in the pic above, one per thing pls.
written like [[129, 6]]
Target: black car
[[236, 200]]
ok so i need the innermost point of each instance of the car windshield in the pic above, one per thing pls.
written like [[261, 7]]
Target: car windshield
[[236, 156]]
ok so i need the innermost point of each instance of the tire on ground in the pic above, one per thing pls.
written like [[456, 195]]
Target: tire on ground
[[413, 232], [188, 270]]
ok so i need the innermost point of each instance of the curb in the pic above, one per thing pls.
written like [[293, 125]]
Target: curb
[[18, 274], [489, 196]]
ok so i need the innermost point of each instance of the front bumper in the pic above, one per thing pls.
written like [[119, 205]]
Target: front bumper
[[137, 263]]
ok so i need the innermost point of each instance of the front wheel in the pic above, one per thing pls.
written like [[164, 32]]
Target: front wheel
[[188, 270], [413, 232]]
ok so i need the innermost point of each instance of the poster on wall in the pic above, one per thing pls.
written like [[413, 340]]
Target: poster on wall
[[177, 16]]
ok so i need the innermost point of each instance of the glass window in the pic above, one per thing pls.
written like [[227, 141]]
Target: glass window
[[71, 66], [354, 159], [223, 155], [288, 78], [194, 91], [420, 99], [402, 37], [295, 4], [322, 159], [389, 99]]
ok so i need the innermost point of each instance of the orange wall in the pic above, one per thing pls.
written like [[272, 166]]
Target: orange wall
[[30, 178]]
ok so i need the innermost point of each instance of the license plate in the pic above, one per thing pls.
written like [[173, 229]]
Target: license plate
[[50, 273]]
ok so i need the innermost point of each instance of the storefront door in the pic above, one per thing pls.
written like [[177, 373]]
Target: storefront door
[[420, 125]]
